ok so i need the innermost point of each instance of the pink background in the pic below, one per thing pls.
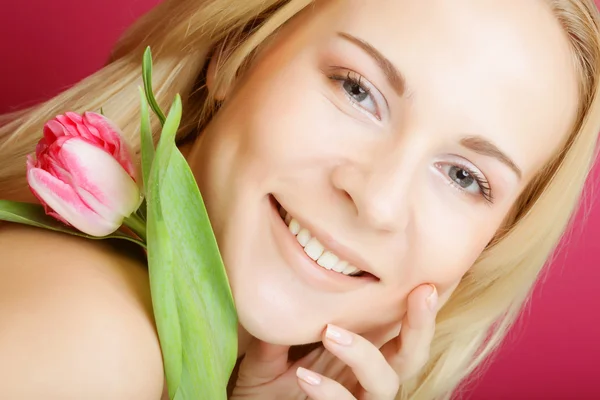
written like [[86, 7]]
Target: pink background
[[46, 46]]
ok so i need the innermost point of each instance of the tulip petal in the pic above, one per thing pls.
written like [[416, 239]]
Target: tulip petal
[[53, 129], [95, 174], [41, 147], [63, 200], [31, 164], [112, 135], [56, 170], [74, 124]]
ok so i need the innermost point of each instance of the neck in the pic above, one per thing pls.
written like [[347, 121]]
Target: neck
[[244, 340], [186, 148]]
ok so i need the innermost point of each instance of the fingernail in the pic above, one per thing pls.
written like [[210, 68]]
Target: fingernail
[[308, 376], [432, 299], [338, 335]]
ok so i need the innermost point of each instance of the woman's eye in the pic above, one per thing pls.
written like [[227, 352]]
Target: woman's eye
[[469, 181], [463, 178], [358, 92], [355, 90]]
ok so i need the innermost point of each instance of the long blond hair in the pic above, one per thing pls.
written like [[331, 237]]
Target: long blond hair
[[183, 33]]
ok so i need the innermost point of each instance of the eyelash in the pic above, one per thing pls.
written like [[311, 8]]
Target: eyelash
[[355, 79], [485, 189]]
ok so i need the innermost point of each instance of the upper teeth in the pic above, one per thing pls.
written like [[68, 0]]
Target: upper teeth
[[315, 250]]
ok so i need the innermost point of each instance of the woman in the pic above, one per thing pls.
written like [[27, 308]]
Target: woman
[[364, 165]]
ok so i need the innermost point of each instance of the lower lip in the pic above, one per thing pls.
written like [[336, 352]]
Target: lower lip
[[306, 268]]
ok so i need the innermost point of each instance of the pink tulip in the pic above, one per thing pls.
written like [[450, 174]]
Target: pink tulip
[[83, 173]]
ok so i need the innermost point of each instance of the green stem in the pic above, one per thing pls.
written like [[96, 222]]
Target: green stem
[[137, 225]]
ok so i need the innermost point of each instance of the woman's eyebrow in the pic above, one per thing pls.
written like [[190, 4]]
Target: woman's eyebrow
[[483, 146], [393, 75]]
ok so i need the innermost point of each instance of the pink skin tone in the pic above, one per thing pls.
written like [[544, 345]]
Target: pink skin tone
[[378, 176]]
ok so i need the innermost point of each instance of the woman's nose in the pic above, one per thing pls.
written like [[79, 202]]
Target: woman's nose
[[380, 192]]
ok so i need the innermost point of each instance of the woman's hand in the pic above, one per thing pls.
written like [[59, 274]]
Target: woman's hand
[[348, 366]]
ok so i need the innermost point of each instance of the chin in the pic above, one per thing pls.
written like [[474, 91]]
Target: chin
[[278, 322], [282, 296]]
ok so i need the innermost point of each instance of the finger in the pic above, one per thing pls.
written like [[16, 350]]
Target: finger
[[378, 338], [372, 370], [263, 362], [319, 387], [410, 351]]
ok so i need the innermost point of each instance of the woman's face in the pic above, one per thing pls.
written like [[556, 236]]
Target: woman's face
[[397, 134]]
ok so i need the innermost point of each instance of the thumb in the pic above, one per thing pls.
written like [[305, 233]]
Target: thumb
[[263, 363]]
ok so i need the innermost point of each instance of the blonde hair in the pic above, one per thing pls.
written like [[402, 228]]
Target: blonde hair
[[183, 33]]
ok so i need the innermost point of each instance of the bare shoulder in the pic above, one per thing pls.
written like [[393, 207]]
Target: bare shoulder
[[75, 319]]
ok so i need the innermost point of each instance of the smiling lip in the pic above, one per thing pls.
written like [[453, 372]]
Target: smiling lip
[[307, 268]]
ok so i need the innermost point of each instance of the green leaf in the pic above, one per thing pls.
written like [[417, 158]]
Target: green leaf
[[34, 215], [147, 78], [141, 211], [193, 304], [147, 143]]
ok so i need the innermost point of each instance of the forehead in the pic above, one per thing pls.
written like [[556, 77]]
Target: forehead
[[502, 69]]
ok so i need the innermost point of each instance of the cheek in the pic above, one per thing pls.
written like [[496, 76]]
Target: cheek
[[457, 240], [290, 126], [443, 247], [286, 119]]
